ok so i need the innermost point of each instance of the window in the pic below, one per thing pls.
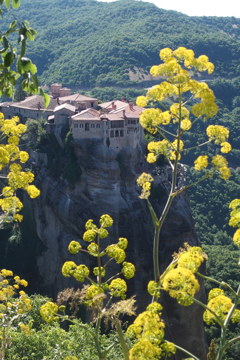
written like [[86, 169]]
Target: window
[[121, 133], [92, 125], [117, 123], [116, 133], [97, 125], [86, 126], [111, 133], [75, 125]]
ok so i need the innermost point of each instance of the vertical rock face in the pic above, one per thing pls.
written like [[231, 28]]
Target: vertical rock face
[[108, 185]]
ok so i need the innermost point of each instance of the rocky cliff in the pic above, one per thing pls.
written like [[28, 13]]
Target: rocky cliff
[[107, 184]]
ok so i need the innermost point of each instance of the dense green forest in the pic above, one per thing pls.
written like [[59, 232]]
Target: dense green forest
[[88, 43]]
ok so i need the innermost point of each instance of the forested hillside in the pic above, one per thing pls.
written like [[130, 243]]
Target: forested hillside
[[85, 43]]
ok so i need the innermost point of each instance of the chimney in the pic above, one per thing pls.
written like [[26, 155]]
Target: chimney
[[124, 115], [131, 105], [114, 106]]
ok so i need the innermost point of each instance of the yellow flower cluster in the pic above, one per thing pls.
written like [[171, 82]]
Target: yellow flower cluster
[[217, 133], [165, 148], [191, 258], [220, 304], [95, 293], [128, 270], [148, 330], [201, 162], [179, 279], [220, 165], [235, 219], [181, 284], [154, 289], [144, 181], [94, 296], [11, 158], [74, 247], [13, 301], [116, 253], [79, 272], [176, 69], [118, 288], [49, 311]]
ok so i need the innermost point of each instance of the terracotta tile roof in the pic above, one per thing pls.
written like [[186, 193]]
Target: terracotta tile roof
[[116, 106], [65, 106], [113, 116], [117, 103], [88, 114], [33, 102], [76, 97], [94, 115]]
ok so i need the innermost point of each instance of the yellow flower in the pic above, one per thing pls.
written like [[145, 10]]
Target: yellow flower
[[186, 124], [142, 101], [32, 191], [217, 133], [81, 273], [118, 288], [181, 284], [68, 268], [106, 220], [201, 162], [226, 147], [74, 247], [23, 155], [122, 243], [116, 253], [89, 235], [128, 270], [49, 312], [236, 237], [151, 158]]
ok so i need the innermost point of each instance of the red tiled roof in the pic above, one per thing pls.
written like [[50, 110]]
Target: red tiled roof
[[76, 97], [33, 102], [94, 115], [131, 110]]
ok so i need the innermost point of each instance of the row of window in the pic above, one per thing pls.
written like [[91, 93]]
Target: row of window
[[116, 133], [86, 126], [133, 121]]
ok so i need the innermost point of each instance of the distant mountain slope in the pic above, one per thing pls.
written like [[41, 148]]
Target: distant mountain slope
[[85, 43]]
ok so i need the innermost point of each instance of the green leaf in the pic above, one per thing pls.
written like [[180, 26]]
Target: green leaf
[[23, 47], [5, 44], [8, 59], [28, 66], [46, 97], [16, 4], [7, 3]]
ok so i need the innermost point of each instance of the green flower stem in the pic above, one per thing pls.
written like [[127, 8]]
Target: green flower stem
[[112, 277], [218, 320], [96, 338], [197, 146], [158, 223], [99, 262], [122, 341], [230, 342], [165, 131], [184, 188], [186, 352], [224, 328], [220, 283]]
